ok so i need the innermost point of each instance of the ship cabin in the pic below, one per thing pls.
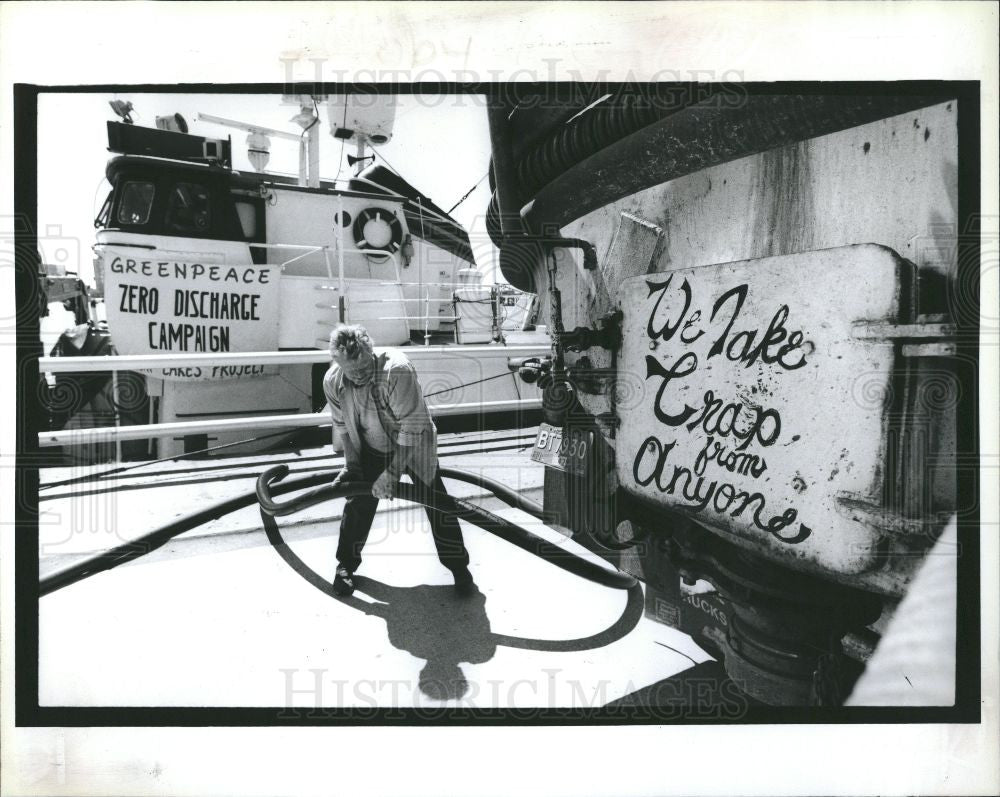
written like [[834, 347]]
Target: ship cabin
[[402, 256], [194, 256]]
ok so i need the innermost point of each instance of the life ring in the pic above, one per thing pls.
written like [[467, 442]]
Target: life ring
[[386, 217]]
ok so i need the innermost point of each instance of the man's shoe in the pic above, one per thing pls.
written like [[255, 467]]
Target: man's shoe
[[343, 582], [464, 585]]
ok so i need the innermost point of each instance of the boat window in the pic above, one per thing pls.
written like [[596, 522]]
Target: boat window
[[188, 209], [101, 220], [248, 219], [136, 202]]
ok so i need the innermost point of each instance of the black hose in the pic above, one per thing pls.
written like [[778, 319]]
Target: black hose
[[501, 491], [494, 524], [159, 537], [533, 508], [585, 134]]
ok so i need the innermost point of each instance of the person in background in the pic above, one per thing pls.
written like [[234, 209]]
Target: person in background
[[381, 423]]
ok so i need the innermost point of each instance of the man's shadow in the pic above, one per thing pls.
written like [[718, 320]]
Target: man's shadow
[[436, 624], [432, 623]]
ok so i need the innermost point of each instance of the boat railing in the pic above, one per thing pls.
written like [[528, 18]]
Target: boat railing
[[326, 249], [119, 434], [340, 250], [496, 294], [138, 362]]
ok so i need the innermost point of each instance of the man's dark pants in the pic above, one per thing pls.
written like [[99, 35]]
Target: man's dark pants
[[360, 512]]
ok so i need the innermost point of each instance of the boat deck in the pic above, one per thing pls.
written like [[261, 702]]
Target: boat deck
[[217, 618]]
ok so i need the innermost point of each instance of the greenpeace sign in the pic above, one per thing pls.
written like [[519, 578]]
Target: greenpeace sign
[[160, 307]]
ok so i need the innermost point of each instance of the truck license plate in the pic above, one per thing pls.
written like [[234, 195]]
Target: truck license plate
[[567, 453]]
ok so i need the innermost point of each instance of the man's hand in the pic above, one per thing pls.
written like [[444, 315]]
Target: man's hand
[[385, 485], [348, 475]]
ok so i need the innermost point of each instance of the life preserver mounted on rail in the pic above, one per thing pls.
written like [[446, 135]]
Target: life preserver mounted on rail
[[382, 217]]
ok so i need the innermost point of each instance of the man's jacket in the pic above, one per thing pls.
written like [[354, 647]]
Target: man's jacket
[[401, 408]]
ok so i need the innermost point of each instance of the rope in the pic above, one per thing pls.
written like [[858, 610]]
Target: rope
[[466, 384], [340, 165], [469, 192], [400, 176]]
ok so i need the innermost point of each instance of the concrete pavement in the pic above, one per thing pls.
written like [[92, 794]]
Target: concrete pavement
[[217, 618]]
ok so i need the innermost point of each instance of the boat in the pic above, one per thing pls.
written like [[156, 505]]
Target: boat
[[196, 257]]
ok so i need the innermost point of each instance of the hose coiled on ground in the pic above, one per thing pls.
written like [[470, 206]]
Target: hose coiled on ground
[[494, 524], [267, 487]]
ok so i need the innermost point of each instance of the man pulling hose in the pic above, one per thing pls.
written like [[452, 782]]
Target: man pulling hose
[[381, 423]]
